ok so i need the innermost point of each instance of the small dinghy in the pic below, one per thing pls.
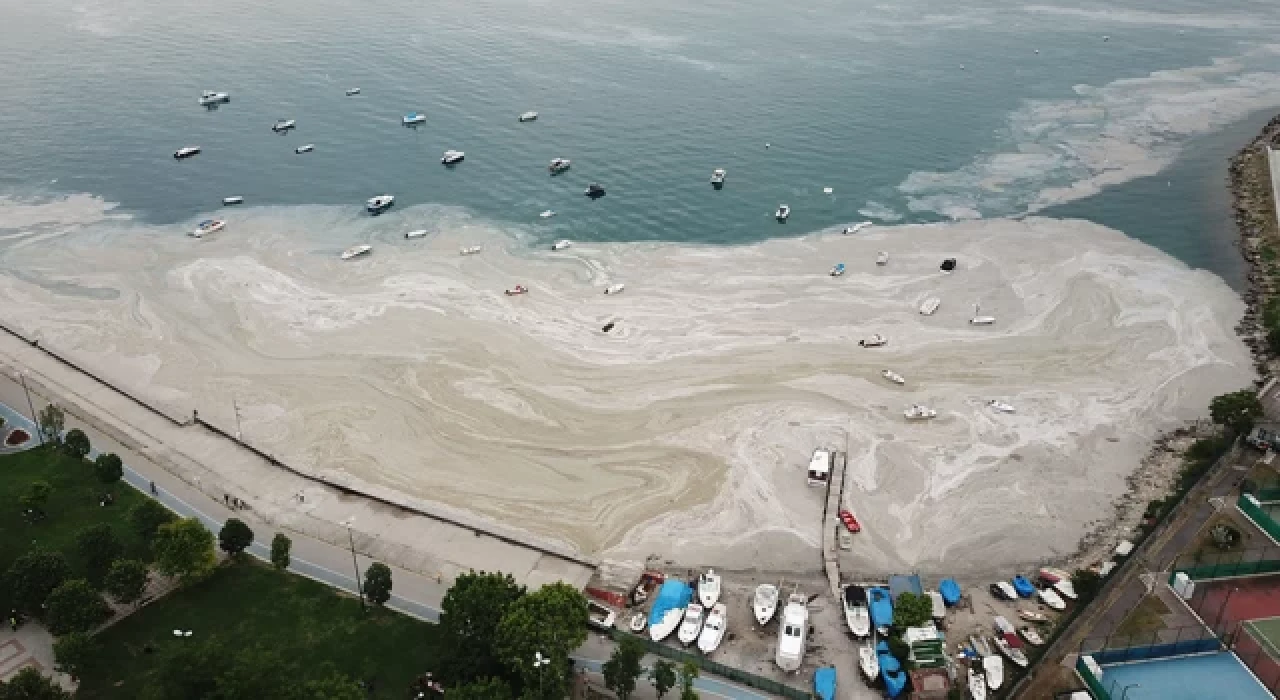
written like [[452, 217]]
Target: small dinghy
[[893, 376], [1003, 407], [1050, 597], [452, 157], [939, 605], [1031, 635], [856, 614], [413, 118], [783, 212], [528, 116], [765, 603], [868, 662], [1011, 652], [379, 204], [709, 588], [615, 288], [713, 631], [209, 97], [930, 305], [855, 228], [1003, 591], [850, 521], [353, 91], [717, 178], [207, 227], [419, 233], [608, 326], [691, 626], [919, 412], [516, 290], [562, 244], [305, 148], [977, 684], [948, 265], [283, 125], [186, 152], [837, 270], [824, 683], [994, 667], [950, 591], [1023, 587], [559, 165], [827, 190], [875, 341], [637, 623], [1033, 616], [882, 258], [231, 201], [1064, 587], [982, 320], [594, 191], [356, 251], [470, 250], [547, 214]]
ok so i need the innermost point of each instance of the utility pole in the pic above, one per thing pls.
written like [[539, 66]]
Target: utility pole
[[22, 377], [354, 564], [236, 408]]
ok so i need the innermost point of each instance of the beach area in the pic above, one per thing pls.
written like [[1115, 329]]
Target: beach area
[[682, 433]]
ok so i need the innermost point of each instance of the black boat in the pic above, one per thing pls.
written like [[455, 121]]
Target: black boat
[[594, 191]]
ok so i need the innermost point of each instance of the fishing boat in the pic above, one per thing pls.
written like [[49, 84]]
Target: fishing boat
[[528, 116], [882, 258], [856, 614], [559, 165], [1031, 635], [379, 204], [516, 290], [977, 684], [615, 288], [1002, 407], [824, 683], [413, 118], [792, 631], [994, 667], [452, 157], [837, 270], [306, 148], [950, 591], [1023, 587], [417, 233], [850, 521], [939, 605], [356, 251], [562, 244], [717, 178], [637, 623], [875, 341], [848, 230], [470, 250], [893, 376], [868, 662], [930, 305], [1003, 590], [691, 625], [1049, 597], [547, 214], [919, 412], [709, 588], [232, 201], [948, 265], [283, 125], [890, 670], [782, 213], [713, 630], [353, 91], [209, 97], [207, 227], [186, 152], [1033, 616], [880, 607], [765, 602], [594, 191], [668, 609], [1012, 652]]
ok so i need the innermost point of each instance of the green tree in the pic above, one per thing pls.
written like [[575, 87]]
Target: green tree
[[126, 580], [1236, 411], [469, 617], [76, 443], [663, 675], [482, 689], [213, 671], [36, 496], [551, 621], [911, 610], [623, 668], [51, 421], [29, 684], [280, 546], [33, 576], [108, 468], [73, 653], [75, 607], [184, 548], [1273, 337], [331, 686], [688, 674], [898, 648], [98, 546], [147, 516], [377, 583], [1086, 582], [235, 537]]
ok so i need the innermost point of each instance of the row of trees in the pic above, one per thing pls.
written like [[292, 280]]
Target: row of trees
[[623, 671]]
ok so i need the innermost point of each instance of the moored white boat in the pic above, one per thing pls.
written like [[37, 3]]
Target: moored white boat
[[559, 165], [893, 376], [765, 602], [856, 227], [305, 149], [717, 177], [982, 320], [356, 251], [977, 684], [417, 233], [528, 116], [1031, 635], [452, 157], [930, 305], [516, 290], [1001, 406], [547, 214], [562, 244], [470, 250], [637, 622], [838, 270], [994, 667], [856, 614], [1012, 653], [230, 201], [708, 588], [713, 631], [283, 125], [615, 288], [919, 412], [376, 205], [882, 258], [209, 97], [782, 213], [207, 227], [1065, 587], [691, 625], [1033, 616], [876, 340], [1050, 597], [868, 662], [353, 91], [413, 118], [186, 152], [792, 631]]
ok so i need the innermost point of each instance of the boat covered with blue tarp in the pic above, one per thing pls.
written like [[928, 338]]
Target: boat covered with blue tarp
[[1023, 586], [880, 606], [950, 591], [890, 670], [824, 682], [668, 608]]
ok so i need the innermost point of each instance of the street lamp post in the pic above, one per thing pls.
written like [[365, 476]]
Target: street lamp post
[[540, 662], [22, 377], [354, 564], [1125, 693]]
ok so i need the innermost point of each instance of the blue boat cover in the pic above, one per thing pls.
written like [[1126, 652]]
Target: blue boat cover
[[890, 670], [880, 607], [1023, 586], [824, 682], [894, 682], [950, 591], [899, 584], [673, 594]]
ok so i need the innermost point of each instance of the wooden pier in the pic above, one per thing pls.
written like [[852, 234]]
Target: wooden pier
[[831, 522]]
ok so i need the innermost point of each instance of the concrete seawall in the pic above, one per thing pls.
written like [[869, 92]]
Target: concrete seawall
[[420, 536]]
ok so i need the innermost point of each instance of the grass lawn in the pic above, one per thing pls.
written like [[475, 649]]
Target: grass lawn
[[1144, 620], [251, 603], [72, 506]]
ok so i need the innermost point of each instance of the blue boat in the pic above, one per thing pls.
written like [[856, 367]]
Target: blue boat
[[1023, 586], [837, 270], [824, 682], [668, 608], [890, 670], [950, 591], [414, 118], [880, 606]]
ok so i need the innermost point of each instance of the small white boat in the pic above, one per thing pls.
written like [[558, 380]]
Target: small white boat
[[1002, 407], [856, 227], [283, 125], [827, 190], [782, 213], [668, 624], [994, 667], [452, 157], [559, 165], [1064, 586], [516, 290], [838, 270], [709, 588], [528, 116], [1031, 635], [186, 152], [230, 201], [413, 118], [617, 289], [893, 376], [1033, 616], [868, 661], [600, 617], [353, 91], [882, 258], [939, 605], [1012, 653], [417, 233], [470, 250], [379, 204], [977, 684], [765, 603], [356, 251], [856, 614], [982, 320], [561, 244], [792, 631], [1050, 597], [207, 227], [875, 341], [717, 177], [691, 626], [305, 149], [930, 305], [713, 630], [547, 214], [919, 412], [209, 97], [1003, 590], [637, 623]]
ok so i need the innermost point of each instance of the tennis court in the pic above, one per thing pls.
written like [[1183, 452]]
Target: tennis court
[[1258, 644], [1219, 676], [1224, 602]]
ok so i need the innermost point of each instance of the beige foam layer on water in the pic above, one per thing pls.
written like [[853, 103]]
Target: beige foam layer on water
[[683, 432]]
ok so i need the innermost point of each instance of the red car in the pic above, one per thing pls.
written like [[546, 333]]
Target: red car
[[849, 521]]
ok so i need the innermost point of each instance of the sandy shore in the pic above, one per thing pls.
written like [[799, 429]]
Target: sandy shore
[[683, 432]]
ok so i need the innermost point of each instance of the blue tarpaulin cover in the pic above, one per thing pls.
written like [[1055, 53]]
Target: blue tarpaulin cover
[[950, 591], [673, 594], [880, 607], [1023, 586], [824, 682]]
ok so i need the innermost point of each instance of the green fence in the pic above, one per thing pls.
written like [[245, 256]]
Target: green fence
[[1267, 495], [736, 675], [1095, 685], [1252, 507]]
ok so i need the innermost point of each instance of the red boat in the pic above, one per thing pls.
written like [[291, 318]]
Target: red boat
[[518, 289], [849, 521]]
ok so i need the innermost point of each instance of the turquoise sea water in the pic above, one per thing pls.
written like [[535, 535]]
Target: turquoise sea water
[[915, 111]]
